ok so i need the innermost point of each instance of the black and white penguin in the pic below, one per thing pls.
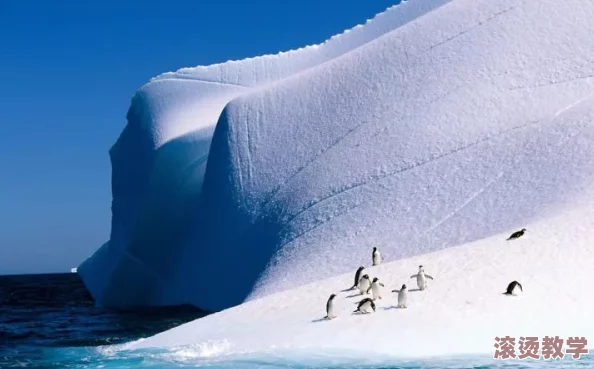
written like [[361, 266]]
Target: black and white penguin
[[512, 288], [376, 257], [365, 306], [517, 234], [375, 289], [421, 278], [364, 284], [330, 307], [357, 277], [402, 297]]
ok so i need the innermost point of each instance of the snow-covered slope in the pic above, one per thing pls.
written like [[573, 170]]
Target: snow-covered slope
[[463, 123], [461, 312]]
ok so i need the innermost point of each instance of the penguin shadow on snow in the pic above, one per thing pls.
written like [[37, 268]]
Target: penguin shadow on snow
[[324, 319], [355, 295]]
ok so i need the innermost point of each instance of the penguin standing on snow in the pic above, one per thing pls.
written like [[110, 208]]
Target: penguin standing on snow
[[330, 307], [365, 306], [402, 297], [375, 289], [421, 278], [517, 234], [357, 277], [376, 257], [364, 284], [512, 288]]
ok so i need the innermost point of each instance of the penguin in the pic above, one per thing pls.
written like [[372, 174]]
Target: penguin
[[375, 289], [517, 234], [376, 257], [402, 297], [365, 306], [421, 278], [511, 288], [364, 284], [357, 277], [330, 307]]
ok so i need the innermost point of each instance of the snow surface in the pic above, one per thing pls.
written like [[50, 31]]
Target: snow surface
[[460, 313], [448, 125]]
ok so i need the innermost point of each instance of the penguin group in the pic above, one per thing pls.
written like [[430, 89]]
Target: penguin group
[[364, 284], [373, 287]]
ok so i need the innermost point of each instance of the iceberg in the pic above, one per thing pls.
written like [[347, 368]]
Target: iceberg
[[159, 162], [255, 188]]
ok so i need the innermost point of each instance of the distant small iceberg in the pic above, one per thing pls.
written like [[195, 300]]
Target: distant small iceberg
[[72, 270]]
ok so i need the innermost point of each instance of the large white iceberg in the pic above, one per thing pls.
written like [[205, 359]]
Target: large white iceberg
[[160, 158], [438, 124]]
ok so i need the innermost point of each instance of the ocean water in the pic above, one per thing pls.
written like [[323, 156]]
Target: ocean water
[[49, 321], [45, 316]]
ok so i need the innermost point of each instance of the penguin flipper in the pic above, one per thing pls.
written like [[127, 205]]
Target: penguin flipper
[[428, 276], [381, 284], [413, 276]]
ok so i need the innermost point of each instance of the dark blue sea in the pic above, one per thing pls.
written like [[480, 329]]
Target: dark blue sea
[[50, 321]]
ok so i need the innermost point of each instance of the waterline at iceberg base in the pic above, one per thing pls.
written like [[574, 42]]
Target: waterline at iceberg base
[[200, 357]]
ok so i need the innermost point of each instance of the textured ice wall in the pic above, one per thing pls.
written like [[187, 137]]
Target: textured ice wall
[[158, 161], [449, 129]]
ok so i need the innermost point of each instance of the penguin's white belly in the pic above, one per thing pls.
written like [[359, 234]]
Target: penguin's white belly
[[375, 291], [402, 298], [366, 308], [421, 281], [363, 286]]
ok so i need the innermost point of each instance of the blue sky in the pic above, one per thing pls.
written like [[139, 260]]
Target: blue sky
[[67, 72]]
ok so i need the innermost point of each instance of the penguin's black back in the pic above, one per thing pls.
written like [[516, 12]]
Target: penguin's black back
[[328, 304], [511, 286], [516, 234], [365, 300], [358, 274]]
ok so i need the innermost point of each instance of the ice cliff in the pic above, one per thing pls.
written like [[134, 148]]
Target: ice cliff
[[436, 124]]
